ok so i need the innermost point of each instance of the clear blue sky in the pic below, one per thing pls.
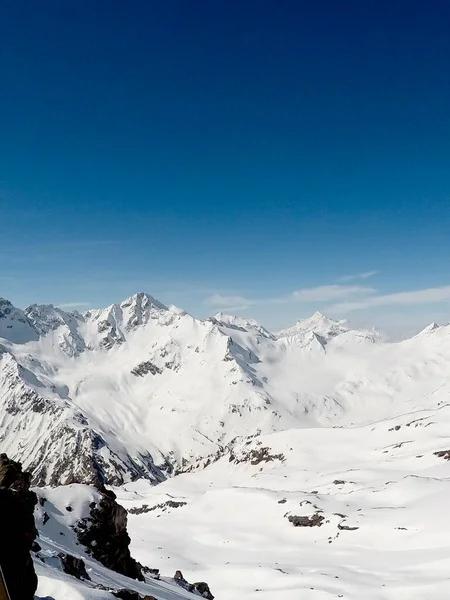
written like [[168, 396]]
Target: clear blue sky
[[227, 154]]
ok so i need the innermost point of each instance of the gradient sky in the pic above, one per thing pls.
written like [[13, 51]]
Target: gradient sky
[[269, 158]]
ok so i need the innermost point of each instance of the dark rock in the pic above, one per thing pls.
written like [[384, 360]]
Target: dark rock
[[127, 595], [315, 520], [18, 531], [45, 518], [106, 538], [69, 508], [339, 482], [35, 547], [154, 573], [259, 455], [445, 454], [100, 586], [347, 527], [200, 587], [163, 506], [73, 566], [203, 589], [146, 367], [130, 595]]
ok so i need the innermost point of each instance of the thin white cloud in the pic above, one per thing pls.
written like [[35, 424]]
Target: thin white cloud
[[74, 305], [219, 300], [427, 296], [327, 293], [356, 276], [322, 293]]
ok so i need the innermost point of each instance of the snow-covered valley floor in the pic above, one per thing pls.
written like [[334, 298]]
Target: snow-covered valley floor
[[383, 482]]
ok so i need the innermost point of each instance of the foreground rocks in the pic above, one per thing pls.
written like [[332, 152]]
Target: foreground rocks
[[18, 531], [200, 587], [131, 595], [106, 538], [73, 566]]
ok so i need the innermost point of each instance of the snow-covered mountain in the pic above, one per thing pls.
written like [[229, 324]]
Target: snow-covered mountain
[[319, 324], [312, 460], [142, 390]]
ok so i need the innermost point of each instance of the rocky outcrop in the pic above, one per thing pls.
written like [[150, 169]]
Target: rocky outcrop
[[255, 456], [200, 587], [163, 506], [106, 538], [315, 520], [73, 566], [18, 531], [153, 573], [146, 367], [445, 454], [130, 595]]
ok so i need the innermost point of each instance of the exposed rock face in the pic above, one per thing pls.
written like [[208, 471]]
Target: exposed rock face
[[146, 367], [315, 520], [73, 566], [131, 595], [17, 529], [153, 573], [163, 506], [443, 454], [200, 587], [105, 536], [255, 456], [203, 589]]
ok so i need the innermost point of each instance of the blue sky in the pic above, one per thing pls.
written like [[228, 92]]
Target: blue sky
[[267, 158]]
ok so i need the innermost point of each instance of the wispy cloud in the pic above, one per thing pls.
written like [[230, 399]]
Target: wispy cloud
[[327, 293], [356, 276], [219, 300], [416, 297], [347, 298], [74, 305], [322, 293]]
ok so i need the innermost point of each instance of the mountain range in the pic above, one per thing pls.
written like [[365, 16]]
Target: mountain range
[[142, 390], [311, 459]]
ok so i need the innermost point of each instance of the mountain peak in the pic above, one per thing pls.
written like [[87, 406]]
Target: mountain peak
[[14, 324], [430, 328], [143, 300], [318, 323], [234, 322], [319, 315], [47, 317]]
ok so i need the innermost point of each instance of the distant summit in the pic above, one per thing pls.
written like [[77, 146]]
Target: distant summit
[[319, 324]]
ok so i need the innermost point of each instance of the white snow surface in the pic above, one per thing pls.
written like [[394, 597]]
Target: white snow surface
[[318, 419], [63, 508], [138, 389], [382, 481]]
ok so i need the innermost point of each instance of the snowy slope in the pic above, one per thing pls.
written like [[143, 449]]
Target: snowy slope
[[58, 512], [142, 390], [323, 423], [381, 490]]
